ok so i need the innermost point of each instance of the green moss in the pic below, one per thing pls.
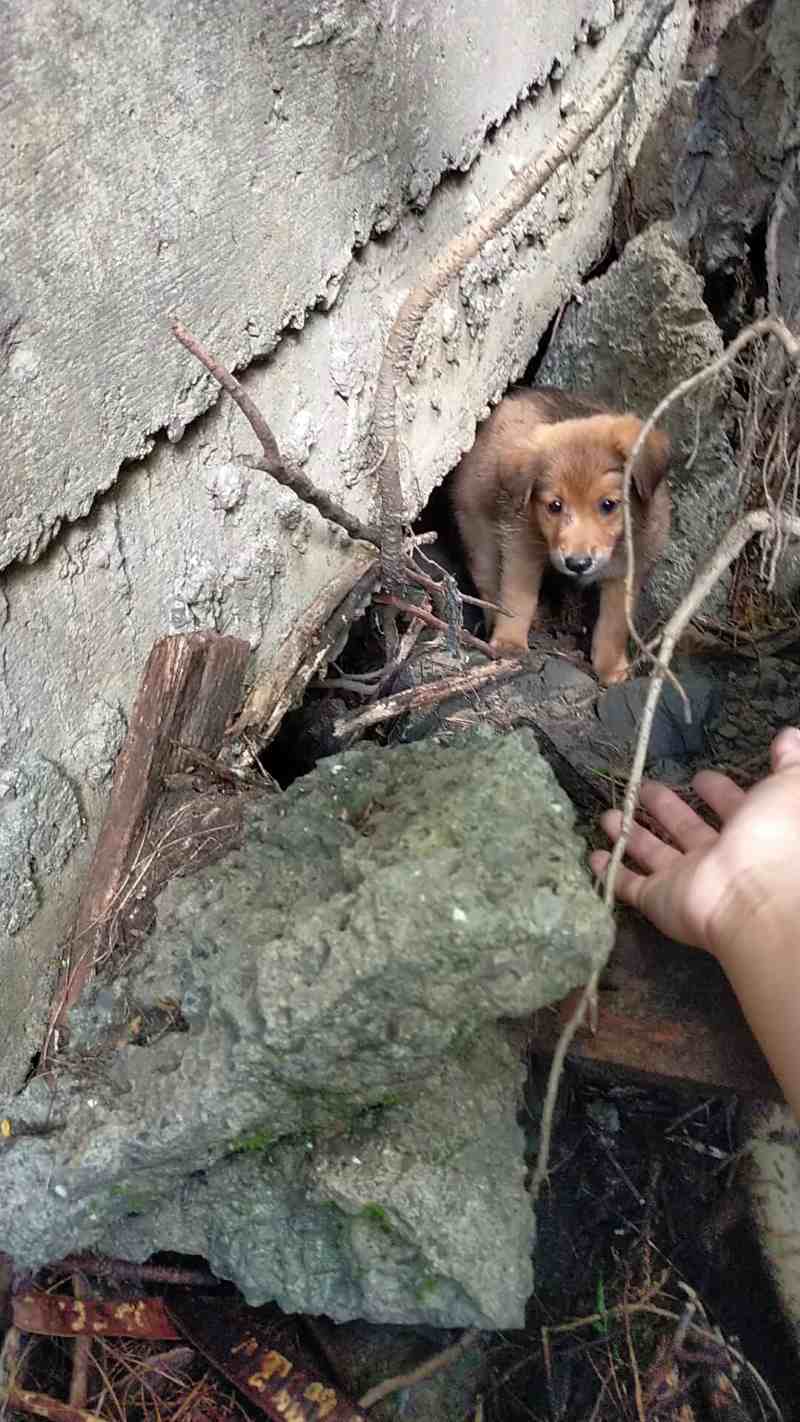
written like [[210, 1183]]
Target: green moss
[[377, 1215], [134, 1200], [256, 1141]]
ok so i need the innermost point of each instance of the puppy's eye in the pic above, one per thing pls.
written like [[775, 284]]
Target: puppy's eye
[[607, 506], [555, 506]]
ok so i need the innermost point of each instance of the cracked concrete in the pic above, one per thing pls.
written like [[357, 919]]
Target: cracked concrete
[[238, 139], [280, 190]]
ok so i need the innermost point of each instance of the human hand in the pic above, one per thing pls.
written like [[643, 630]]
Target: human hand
[[708, 888]]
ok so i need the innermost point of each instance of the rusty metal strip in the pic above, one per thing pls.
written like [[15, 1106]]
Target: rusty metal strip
[[236, 1342], [665, 1012], [60, 1317]]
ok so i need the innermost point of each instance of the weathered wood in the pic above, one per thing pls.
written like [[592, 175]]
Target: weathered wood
[[315, 639], [190, 690]]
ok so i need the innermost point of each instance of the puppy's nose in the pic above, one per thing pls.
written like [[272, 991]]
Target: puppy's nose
[[580, 563]]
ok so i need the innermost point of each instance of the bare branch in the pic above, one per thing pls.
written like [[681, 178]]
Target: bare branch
[[452, 260], [768, 326], [430, 694], [784, 199], [425, 1370], [424, 615], [271, 461]]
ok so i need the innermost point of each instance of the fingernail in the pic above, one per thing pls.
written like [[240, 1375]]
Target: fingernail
[[786, 749]]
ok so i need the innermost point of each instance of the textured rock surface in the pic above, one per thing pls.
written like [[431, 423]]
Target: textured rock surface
[[365, 1352], [771, 1149], [737, 706], [40, 830], [278, 186], [745, 139], [637, 331], [650, 194], [377, 920], [414, 1214]]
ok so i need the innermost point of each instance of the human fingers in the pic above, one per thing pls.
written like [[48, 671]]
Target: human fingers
[[646, 849], [719, 792], [784, 752], [660, 897], [627, 885], [681, 822]]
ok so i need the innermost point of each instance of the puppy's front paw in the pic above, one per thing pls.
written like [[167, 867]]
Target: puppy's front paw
[[609, 673], [509, 646]]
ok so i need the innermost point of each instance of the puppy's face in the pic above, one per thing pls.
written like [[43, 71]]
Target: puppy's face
[[576, 490]]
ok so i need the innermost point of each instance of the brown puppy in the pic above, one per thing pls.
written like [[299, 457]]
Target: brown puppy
[[542, 485]]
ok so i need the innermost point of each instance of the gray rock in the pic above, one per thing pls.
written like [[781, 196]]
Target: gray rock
[[650, 195], [711, 22], [620, 709], [365, 1354], [637, 332], [40, 825], [416, 1214], [741, 168], [771, 1146], [558, 674], [375, 920], [746, 127]]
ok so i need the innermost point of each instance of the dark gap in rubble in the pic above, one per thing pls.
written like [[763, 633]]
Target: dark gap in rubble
[[733, 294], [306, 734], [637, 1187], [33, 1069]]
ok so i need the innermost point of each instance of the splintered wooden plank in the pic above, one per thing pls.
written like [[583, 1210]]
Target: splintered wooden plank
[[665, 1012], [190, 690]]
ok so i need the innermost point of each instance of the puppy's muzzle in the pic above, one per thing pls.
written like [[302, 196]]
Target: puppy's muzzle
[[579, 564]]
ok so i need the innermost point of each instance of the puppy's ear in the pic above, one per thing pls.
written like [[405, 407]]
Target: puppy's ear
[[653, 458], [522, 472]]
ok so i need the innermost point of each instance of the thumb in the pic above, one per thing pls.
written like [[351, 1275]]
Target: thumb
[[785, 749]]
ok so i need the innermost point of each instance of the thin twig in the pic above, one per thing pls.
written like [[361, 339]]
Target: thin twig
[[619, 1310], [41, 1405], [769, 326], [271, 462], [461, 249], [81, 1355], [637, 1381], [784, 198], [425, 1370], [240, 779], [438, 585], [422, 697], [413, 610], [98, 1267]]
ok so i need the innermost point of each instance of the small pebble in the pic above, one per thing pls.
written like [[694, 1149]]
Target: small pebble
[[729, 730]]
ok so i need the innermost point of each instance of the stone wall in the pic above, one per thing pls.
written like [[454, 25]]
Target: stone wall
[[276, 176]]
